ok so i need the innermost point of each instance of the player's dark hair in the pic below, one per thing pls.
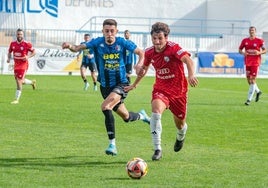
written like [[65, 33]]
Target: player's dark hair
[[160, 27], [126, 31], [109, 22], [87, 35], [19, 29], [252, 27]]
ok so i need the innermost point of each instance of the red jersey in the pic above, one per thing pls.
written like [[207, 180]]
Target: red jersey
[[20, 50], [250, 45], [169, 69]]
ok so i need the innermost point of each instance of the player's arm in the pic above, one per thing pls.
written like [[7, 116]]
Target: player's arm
[[9, 53], [263, 50], [193, 81], [139, 64], [31, 54], [73, 48], [138, 78], [141, 69], [8, 57], [241, 49]]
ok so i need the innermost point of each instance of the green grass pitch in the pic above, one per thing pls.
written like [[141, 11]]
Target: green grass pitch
[[56, 137]]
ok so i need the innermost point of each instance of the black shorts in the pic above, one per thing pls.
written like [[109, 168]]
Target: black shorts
[[119, 89], [91, 66]]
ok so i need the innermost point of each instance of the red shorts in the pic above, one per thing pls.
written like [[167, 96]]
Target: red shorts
[[177, 105], [19, 73], [252, 71]]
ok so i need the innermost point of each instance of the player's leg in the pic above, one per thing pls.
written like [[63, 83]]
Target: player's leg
[[178, 109], [158, 107], [257, 90], [129, 71], [129, 116], [93, 70], [94, 79], [181, 133], [30, 82], [251, 79], [122, 111], [19, 77], [108, 104], [83, 69]]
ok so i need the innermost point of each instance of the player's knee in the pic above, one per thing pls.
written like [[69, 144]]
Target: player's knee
[[105, 107]]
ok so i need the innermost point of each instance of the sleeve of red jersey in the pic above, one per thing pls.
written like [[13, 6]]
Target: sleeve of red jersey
[[146, 58], [179, 52], [30, 47], [241, 45]]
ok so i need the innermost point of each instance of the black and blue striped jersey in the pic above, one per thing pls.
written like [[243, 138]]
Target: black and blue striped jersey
[[110, 60]]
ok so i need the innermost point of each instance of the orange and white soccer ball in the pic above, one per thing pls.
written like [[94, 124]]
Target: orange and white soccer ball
[[136, 168]]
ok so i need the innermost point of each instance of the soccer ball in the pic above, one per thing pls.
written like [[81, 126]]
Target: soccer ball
[[136, 168]]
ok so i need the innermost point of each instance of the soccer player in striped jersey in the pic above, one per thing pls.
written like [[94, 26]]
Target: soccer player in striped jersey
[[171, 86], [252, 48], [130, 57], [88, 60], [22, 51], [109, 53]]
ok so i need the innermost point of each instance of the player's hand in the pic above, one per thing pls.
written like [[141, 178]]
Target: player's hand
[[193, 81], [10, 66], [140, 71], [128, 88], [257, 52], [65, 45]]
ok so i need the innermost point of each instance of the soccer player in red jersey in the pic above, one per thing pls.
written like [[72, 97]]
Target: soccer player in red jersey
[[252, 48], [22, 51], [171, 85]]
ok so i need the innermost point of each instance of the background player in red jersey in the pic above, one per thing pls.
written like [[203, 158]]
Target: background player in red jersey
[[20, 49], [170, 87], [252, 48]]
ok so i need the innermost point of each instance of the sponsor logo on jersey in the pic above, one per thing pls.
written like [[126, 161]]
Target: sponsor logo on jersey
[[111, 56]]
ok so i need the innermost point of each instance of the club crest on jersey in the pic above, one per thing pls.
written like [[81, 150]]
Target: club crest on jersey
[[117, 47], [166, 59], [21, 48]]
